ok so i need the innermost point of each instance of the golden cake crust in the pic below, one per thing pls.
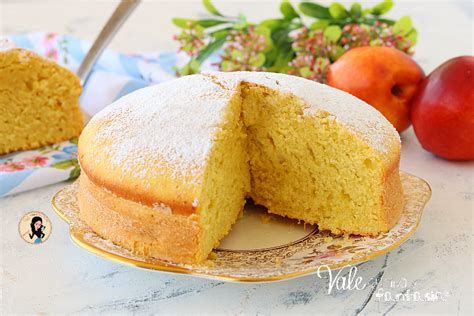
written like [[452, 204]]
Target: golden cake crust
[[148, 231], [117, 151], [392, 198], [147, 153], [40, 106], [156, 232], [176, 146], [178, 207]]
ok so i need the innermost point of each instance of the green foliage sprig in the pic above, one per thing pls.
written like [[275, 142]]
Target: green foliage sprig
[[288, 44]]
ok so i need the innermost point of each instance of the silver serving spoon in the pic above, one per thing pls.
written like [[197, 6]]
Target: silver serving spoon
[[115, 22]]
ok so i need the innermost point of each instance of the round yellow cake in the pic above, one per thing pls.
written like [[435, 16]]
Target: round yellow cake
[[166, 169]]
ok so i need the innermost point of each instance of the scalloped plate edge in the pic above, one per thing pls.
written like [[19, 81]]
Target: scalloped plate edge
[[77, 236]]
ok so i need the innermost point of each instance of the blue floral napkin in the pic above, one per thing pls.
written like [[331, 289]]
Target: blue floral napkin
[[114, 76]]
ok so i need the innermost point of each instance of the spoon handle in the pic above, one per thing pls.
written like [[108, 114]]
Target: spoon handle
[[120, 15]]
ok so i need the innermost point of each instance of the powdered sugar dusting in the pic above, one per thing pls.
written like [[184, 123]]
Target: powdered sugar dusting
[[348, 110], [167, 125], [168, 130]]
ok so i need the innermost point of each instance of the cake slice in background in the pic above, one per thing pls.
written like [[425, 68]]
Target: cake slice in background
[[39, 101]]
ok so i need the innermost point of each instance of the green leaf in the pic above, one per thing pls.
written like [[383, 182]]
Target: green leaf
[[76, 172], [314, 10], [278, 57], [273, 23], [280, 60], [211, 8], [296, 25], [366, 11], [210, 23], [403, 25], [338, 53], [210, 48], [226, 65], [190, 68], [387, 21], [382, 8], [65, 164], [257, 60], [263, 30], [305, 72], [266, 32], [356, 10], [183, 23], [319, 25], [280, 38], [365, 27], [241, 23], [338, 11], [221, 33], [237, 55], [375, 42], [368, 20], [412, 36], [332, 33], [288, 11]]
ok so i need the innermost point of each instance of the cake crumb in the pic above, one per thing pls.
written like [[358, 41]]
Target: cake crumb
[[209, 262], [265, 218], [212, 256], [328, 239]]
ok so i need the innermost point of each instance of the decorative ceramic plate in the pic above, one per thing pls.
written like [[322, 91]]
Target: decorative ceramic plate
[[262, 247]]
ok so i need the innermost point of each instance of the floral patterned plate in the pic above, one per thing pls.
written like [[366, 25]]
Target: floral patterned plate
[[270, 248]]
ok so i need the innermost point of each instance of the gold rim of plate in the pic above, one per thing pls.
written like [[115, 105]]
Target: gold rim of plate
[[297, 258]]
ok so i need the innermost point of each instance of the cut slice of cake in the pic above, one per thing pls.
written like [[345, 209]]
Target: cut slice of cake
[[319, 155], [166, 169], [38, 101]]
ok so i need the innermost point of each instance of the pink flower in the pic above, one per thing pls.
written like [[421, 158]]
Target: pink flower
[[35, 161], [11, 166], [50, 36], [53, 54], [49, 45]]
